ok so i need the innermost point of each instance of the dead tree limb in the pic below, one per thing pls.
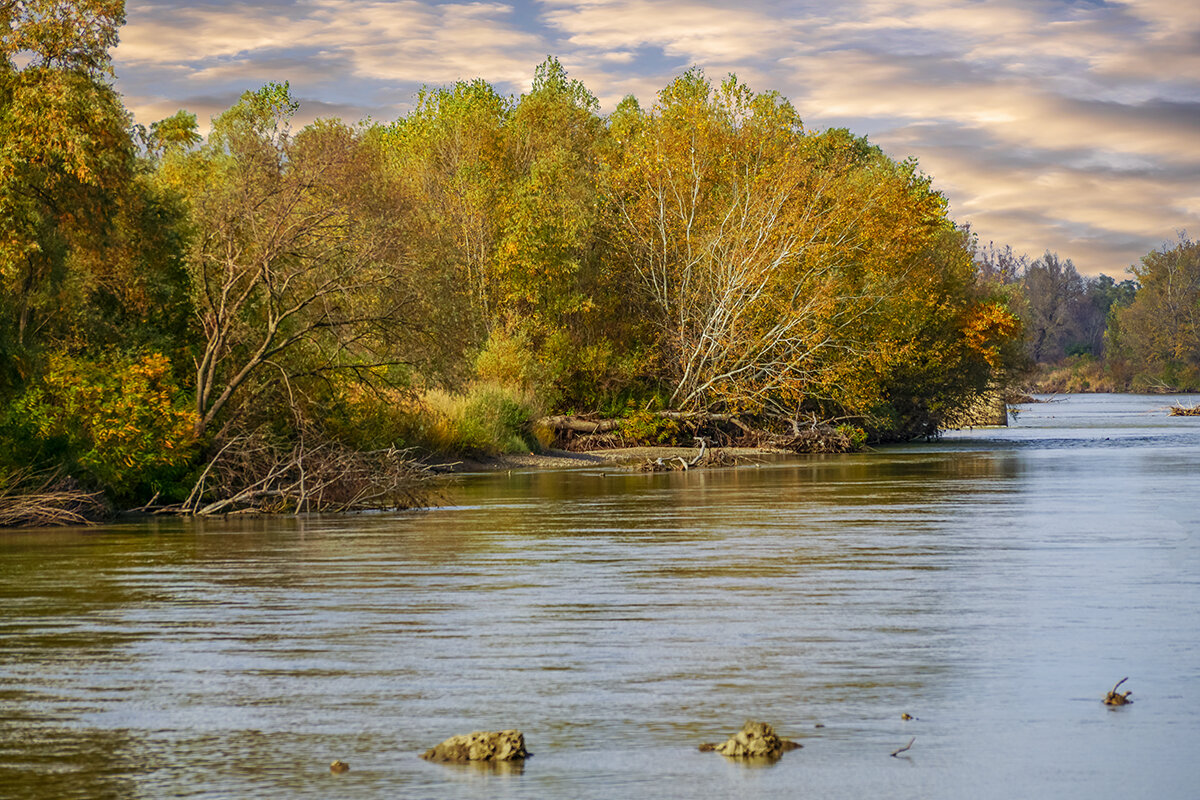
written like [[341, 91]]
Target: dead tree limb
[[1113, 698], [906, 747]]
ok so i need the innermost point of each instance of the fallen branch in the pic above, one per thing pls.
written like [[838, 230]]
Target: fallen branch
[[579, 424], [906, 747], [254, 473], [1115, 699], [33, 499]]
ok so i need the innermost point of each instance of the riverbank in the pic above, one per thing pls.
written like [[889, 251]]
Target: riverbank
[[628, 457]]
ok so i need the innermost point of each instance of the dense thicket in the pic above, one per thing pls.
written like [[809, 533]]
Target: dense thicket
[[230, 317]]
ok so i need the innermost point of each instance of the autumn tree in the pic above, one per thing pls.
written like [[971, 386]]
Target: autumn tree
[[93, 302], [449, 154], [1056, 296], [713, 212], [297, 260], [65, 160], [1159, 332], [790, 271]]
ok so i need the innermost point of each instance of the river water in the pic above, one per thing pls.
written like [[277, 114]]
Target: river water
[[994, 585]]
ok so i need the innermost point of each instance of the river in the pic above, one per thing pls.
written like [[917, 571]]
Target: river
[[993, 585]]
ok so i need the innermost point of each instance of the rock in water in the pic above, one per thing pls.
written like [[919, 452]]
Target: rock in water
[[480, 746], [754, 740]]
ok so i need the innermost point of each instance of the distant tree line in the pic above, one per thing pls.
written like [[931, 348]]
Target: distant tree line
[[275, 312], [1095, 334]]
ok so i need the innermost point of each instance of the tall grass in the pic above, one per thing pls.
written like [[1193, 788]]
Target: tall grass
[[488, 419]]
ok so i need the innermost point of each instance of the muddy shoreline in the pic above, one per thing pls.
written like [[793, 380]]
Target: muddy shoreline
[[621, 456]]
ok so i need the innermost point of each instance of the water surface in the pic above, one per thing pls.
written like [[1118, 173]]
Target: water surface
[[994, 584]]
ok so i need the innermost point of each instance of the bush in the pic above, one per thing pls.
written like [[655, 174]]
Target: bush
[[489, 419], [645, 427], [119, 424]]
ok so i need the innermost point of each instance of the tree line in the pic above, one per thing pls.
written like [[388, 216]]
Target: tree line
[[278, 313], [1098, 334]]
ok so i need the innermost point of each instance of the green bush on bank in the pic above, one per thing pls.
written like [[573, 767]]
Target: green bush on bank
[[119, 424], [488, 419]]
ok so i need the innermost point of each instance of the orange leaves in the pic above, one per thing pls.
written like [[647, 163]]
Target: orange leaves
[[988, 327]]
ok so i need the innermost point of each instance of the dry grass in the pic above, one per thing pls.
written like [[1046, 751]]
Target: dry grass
[[1077, 376]]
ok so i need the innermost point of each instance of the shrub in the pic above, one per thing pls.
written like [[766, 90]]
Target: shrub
[[120, 424], [488, 420], [645, 427]]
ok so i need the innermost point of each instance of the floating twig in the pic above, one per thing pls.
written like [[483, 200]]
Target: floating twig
[[906, 747]]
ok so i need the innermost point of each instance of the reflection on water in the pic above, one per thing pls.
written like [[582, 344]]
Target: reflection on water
[[994, 584]]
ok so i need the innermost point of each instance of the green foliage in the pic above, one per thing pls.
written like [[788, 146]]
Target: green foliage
[[856, 436], [121, 424], [175, 133], [1159, 331], [488, 420], [73, 35], [642, 425]]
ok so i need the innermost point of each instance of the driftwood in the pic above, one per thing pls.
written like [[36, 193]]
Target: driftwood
[[1184, 411], [563, 424], [253, 473], [32, 499], [906, 747], [808, 435], [587, 425], [1113, 698]]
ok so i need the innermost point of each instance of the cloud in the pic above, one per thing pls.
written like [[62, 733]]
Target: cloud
[[398, 41], [1060, 124]]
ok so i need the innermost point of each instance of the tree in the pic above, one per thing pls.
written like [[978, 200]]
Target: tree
[[449, 154], [297, 260], [551, 208], [1160, 330], [710, 197], [999, 264], [65, 158], [787, 271], [1056, 297], [178, 131]]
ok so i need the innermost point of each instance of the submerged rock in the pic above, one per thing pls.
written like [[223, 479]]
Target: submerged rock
[[480, 746], [754, 740]]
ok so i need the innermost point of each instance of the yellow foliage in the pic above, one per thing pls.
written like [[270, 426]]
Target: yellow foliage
[[988, 327]]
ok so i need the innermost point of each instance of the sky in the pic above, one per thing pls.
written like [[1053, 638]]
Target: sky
[[1070, 126]]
